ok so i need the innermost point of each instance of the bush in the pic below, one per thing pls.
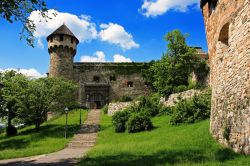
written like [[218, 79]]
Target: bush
[[151, 105], [190, 111], [139, 122], [119, 120], [105, 109], [165, 111], [126, 99], [180, 88]]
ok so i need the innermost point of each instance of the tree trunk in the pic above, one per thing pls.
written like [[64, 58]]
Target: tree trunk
[[37, 125]]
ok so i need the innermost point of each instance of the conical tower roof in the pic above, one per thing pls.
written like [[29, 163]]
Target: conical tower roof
[[63, 30]]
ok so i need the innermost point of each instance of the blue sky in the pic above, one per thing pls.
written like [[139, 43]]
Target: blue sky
[[110, 30]]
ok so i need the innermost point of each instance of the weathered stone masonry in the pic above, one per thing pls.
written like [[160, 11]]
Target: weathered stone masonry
[[99, 83], [228, 34]]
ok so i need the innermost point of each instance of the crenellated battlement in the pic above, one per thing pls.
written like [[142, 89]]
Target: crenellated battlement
[[62, 47]]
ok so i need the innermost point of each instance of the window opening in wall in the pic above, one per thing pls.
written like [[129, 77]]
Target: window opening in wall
[[72, 39], [61, 37], [51, 39], [96, 79], [112, 78], [130, 84], [224, 34]]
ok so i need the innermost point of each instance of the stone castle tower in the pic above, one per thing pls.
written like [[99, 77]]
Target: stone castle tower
[[227, 25], [98, 83], [62, 46]]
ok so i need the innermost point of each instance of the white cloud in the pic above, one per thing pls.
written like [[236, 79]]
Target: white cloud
[[40, 43], [81, 26], [33, 73], [120, 58], [153, 8], [99, 56], [116, 34]]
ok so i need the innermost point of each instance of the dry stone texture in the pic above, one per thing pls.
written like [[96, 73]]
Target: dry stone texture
[[176, 97], [119, 106], [228, 36]]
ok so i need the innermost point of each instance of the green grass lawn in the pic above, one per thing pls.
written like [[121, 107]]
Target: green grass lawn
[[164, 145], [49, 139]]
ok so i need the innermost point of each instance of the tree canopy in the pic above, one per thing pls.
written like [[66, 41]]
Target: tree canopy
[[19, 10], [30, 99], [172, 72]]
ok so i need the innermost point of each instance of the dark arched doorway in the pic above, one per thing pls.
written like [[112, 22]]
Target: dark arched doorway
[[97, 101]]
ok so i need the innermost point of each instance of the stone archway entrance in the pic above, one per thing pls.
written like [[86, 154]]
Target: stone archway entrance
[[96, 95], [97, 101]]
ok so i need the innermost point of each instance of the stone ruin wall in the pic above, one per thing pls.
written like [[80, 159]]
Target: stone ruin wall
[[230, 72], [84, 73]]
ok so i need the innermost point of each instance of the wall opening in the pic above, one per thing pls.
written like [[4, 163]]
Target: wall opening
[[72, 39], [112, 78], [130, 84], [96, 79], [61, 37], [224, 34]]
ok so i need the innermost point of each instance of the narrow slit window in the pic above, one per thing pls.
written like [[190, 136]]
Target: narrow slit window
[[61, 37], [112, 78], [51, 39], [72, 39]]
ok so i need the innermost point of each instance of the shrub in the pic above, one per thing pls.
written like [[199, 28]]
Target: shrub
[[119, 120], [139, 122], [126, 99], [165, 111], [151, 105], [105, 109], [193, 110], [180, 88]]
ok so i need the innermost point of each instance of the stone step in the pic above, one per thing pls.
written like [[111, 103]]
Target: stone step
[[84, 138], [81, 144]]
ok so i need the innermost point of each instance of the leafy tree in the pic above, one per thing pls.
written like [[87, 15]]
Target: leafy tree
[[19, 10], [14, 86], [44, 95], [174, 67]]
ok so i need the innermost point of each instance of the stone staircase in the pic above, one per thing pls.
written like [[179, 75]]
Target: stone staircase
[[86, 136]]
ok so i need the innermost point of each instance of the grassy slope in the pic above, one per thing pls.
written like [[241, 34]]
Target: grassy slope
[[165, 145], [50, 138]]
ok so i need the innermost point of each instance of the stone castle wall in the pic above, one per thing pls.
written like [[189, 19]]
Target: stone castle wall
[[228, 35], [84, 73]]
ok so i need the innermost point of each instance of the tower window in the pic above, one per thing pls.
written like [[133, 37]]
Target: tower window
[[96, 79], [224, 34], [130, 84], [72, 39], [112, 78], [51, 39], [61, 37]]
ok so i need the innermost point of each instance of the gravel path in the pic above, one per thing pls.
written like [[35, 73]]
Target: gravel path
[[77, 147]]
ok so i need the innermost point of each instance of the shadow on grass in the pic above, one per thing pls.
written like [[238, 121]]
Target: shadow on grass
[[160, 158], [225, 154], [13, 144], [23, 139]]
